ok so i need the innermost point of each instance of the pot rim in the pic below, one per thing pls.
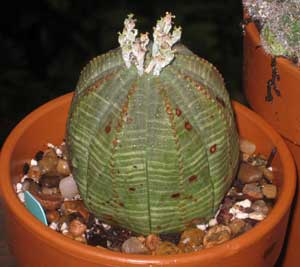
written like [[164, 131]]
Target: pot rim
[[93, 254]]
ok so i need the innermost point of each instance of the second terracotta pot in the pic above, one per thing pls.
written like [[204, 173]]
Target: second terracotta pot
[[35, 245], [283, 113]]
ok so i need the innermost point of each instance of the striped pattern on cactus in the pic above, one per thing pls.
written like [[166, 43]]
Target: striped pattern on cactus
[[150, 152]]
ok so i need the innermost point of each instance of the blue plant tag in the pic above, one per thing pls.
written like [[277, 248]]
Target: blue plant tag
[[35, 207]]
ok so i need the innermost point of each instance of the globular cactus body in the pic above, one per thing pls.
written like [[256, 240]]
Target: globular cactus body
[[152, 152]]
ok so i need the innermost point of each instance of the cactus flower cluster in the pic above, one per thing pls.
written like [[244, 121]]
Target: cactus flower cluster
[[280, 32], [151, 134]]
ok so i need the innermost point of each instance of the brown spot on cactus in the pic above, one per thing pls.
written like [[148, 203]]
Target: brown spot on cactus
[[192, 178], [213, 148], [132, 189], [188, 126], [178, 112], [108, 129], [146, 134], [175, 195]]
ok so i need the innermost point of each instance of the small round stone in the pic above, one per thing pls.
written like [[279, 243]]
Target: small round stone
[[34, 173], [253, 191], [68, 187], [52, 216], [166, 248], [270, 191], [134, 246], [249, 173], [216, 236], [152, 241], [77, 228], [49, 181], [260, 206], [63, 167], [237, 227], [191, 240], [49, 162], [247, 147]]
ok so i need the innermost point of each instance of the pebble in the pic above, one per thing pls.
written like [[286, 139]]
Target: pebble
[[52, 216], [260, 206], [253, 191], [191, 240], [74, 206], [49, 162], [49, 181], [249, 174], [216, 236], [34, 173], [237, 226], [63, 167], [77, 228], [49, 202], [258, 216], [134, 246], [68, 187], [247, 147], [269, 191], [152, 241], [268, 174], [166, 248]]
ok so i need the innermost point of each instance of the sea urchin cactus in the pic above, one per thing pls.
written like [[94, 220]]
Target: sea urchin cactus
[[151, 134]]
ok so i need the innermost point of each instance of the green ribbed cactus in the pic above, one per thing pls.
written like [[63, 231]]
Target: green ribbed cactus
[[151, 133]]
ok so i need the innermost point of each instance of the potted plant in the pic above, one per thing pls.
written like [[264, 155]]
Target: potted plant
[[134, 73], [272, 77]]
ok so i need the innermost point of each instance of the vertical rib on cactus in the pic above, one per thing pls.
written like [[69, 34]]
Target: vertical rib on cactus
[[152, 152]]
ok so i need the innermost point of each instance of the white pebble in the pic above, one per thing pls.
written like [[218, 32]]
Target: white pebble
[[245, 203], [50, 145], [63, 227], [202, 227], [258, 216], [53, 226], [21, 197], [58, 152], [212, 222], [242, 215], [19, 187], [33, 162], [68, 187], [106, 226]]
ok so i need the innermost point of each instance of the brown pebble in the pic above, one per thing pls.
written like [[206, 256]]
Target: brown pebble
[[247, 147], [49, 202], [191, 240], [34, 173], [216, 235], [260, 206], [269, 175], [77, 228], [166, 248], [49, 162], [269, 191], [152, 241], [72, 206], [134, 246], [253, 191], [249, 174], [49, 181], [237, 227], [52, 216], [50, 191], [63, 167]]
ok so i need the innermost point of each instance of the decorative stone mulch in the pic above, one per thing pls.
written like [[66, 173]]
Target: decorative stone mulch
[[251, 198]]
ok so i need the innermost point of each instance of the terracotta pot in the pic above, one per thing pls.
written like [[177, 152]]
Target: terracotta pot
[[283, 113], [33, 244]]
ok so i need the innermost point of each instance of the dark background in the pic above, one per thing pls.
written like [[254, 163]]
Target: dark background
[[44, 44]]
